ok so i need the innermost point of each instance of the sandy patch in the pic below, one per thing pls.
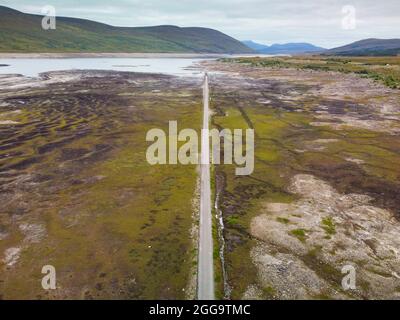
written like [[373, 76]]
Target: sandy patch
[[356, 161], [7, 122], [318, 144], [11, 256], [340, 123], [34, 233]]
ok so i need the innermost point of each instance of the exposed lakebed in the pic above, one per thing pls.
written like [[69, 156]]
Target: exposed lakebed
[[78, 193]]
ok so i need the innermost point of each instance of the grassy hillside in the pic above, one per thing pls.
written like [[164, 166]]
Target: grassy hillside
[[368, 47], [21, 32]]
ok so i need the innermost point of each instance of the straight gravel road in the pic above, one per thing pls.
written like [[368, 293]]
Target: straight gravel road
[[205, 286]]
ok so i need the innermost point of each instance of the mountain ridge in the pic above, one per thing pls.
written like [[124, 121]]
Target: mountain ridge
[[286, 48], [22, 32], [368, 47]]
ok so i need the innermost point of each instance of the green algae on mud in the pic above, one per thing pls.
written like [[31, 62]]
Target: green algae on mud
[[114, 227]]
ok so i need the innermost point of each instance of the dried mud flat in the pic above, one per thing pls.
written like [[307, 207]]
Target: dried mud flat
[[325, 191], [77, 192], [340, 229]]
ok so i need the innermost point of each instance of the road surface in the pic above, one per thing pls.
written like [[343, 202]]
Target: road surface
[[205, 287]]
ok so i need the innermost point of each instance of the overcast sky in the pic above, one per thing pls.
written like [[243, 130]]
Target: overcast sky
[[266, 21]]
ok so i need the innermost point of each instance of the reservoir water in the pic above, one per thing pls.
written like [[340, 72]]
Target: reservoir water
[[33, 67]]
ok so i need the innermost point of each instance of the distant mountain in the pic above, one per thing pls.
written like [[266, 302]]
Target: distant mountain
[[255, 46], [287, 48], [368, 47], [20, 32]]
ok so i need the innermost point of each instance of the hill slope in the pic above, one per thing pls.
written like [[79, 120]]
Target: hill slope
[[287, 48], [368, 47], [20, 32]]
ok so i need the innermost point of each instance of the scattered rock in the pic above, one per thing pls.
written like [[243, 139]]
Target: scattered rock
[[253, 293]]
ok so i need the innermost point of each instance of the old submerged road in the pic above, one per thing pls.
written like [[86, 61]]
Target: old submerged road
[[205, 285]]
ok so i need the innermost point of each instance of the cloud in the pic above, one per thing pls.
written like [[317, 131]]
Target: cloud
[[268, 21]]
